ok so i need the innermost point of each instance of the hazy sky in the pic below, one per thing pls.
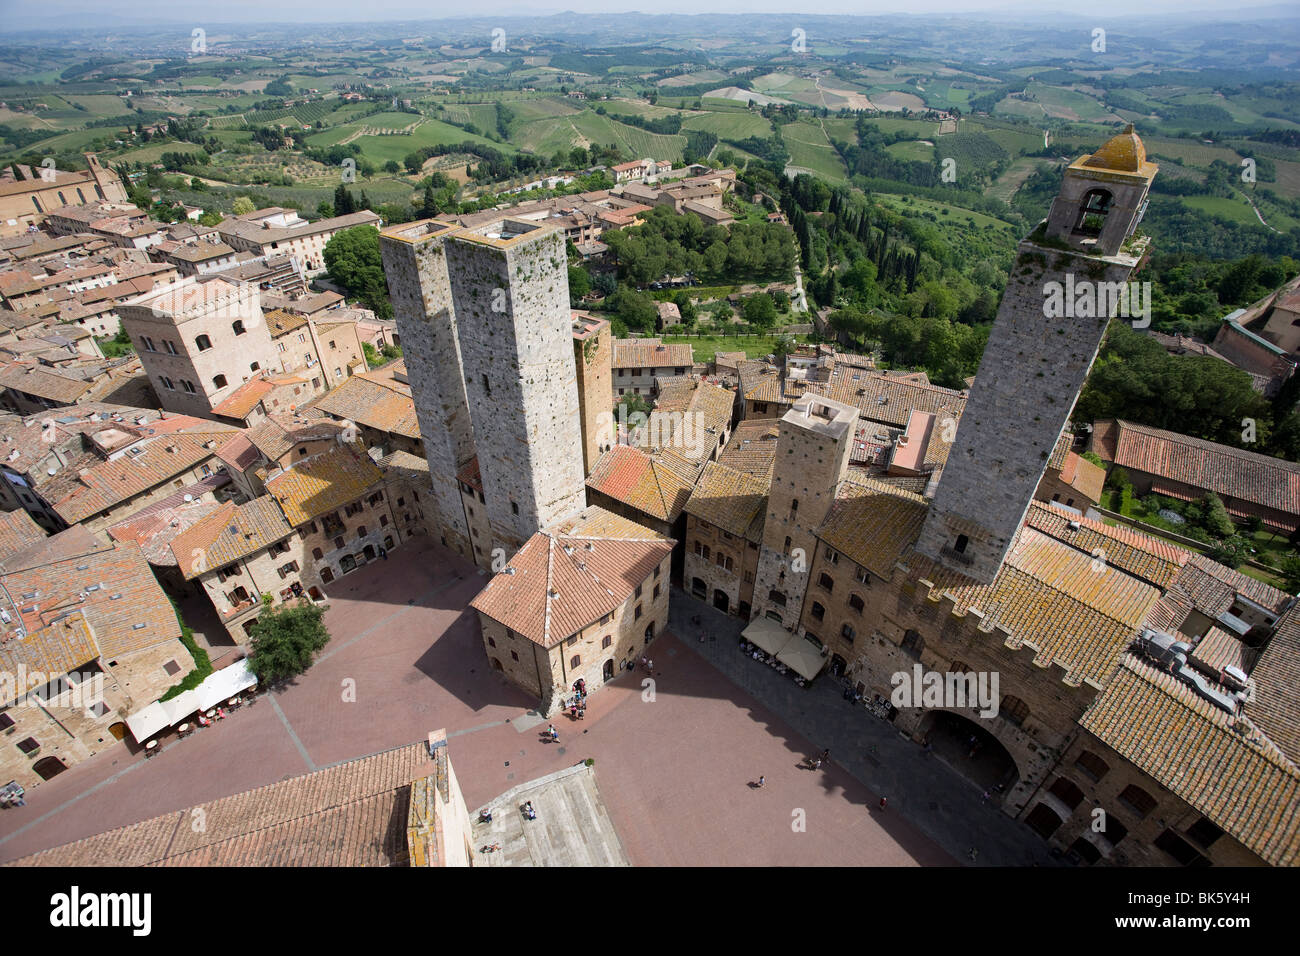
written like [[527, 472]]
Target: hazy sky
[[107, 12]]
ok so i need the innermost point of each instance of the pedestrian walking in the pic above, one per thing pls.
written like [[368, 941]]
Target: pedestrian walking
[[973, 854], [761, 781], [649, 667], [644, 662], [883, 801], [826, 755], [817, 764]]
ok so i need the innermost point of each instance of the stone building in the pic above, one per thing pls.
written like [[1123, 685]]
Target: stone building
[[812, 460], [640, 364], [1034, 364], [582, 600], [87, 636], [724, 529], [485, 322], [199, 339], [25, 202], [337, 503], [241, 554], [1070, 479], [592, 354], [275, 231], [415, 263], [510, 284], [1183, 467]]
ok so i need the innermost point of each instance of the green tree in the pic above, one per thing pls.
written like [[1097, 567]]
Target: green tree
[[1291, 573], [285, 641], [1232, 551], [353, 260], [242, 206], [759, 311], [1216, 518], [579, 284], [344, 204]]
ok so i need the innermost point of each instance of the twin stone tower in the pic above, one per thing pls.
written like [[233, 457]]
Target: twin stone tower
[[485, 325]]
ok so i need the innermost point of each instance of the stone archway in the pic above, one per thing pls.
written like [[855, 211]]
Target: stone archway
[[970, 748]]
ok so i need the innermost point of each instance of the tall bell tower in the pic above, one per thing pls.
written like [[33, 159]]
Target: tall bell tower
[[1061, 294]]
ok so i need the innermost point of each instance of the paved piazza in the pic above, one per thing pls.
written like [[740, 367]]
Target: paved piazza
[[674, 772]]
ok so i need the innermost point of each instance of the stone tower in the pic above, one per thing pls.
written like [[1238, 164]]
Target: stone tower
[[814, 441], [593, 354], [1069, 278], [415, 263], [510, 293]]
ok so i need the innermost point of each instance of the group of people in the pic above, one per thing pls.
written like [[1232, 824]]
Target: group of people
[[758, 654], [577, 704]]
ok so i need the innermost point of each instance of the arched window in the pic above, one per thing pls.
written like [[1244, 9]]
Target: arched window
[[1067, 792], [818, 612], [575, 660], [856, 603], [237, 326], [776, 597], [218, 381], [253, 367], [317, 553], [606, 641], [203, 343]]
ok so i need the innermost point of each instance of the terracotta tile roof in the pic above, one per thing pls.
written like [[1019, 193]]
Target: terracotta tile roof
[[752, 448], [403, 464], [161, 456], [155, 528], [1212, 588], [375, 400], [352, 814], [240, 453], [571, 575], [43, 382], [278, 434], [280, 322], [1217, 649], [731, 500], [657, 485], [17, 531], [110, 587], [1259, 479], [1050, 598], [871, 523], [321, 483], [650, 353], [879, 396], [1153, 560], [469, 474], [1276, 704], [244, 399], [688, 418], [1061, 451], [1222, 766], [230, 533]]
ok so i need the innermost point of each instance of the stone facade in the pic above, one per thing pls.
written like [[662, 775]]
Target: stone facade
[[1030, 377], [199, 341], [71, 734], [550, 673], [415, 263], [345, 539], [720, 564], [510, 286], [592, 353], [236, 590], [812, 458]]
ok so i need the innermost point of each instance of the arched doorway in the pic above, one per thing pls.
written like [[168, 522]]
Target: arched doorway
[[608, 670], [970, 749], [326, 575], [721, 601], [650, 632], [699, 588], [48, 767], [315, 594], [369, 552], [496, 664], [118, 730], [838, 665]]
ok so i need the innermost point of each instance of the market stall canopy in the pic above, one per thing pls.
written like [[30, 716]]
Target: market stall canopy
[[181, 706], [803, 657], [224, 684], [143, 724], [767, 634]]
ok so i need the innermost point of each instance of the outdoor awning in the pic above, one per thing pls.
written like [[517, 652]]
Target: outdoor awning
[[767, 634], [143, 724], [803, 657], [224, 684], [183, 705]]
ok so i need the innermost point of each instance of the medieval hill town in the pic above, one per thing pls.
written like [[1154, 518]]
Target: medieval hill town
[[489, 441]]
